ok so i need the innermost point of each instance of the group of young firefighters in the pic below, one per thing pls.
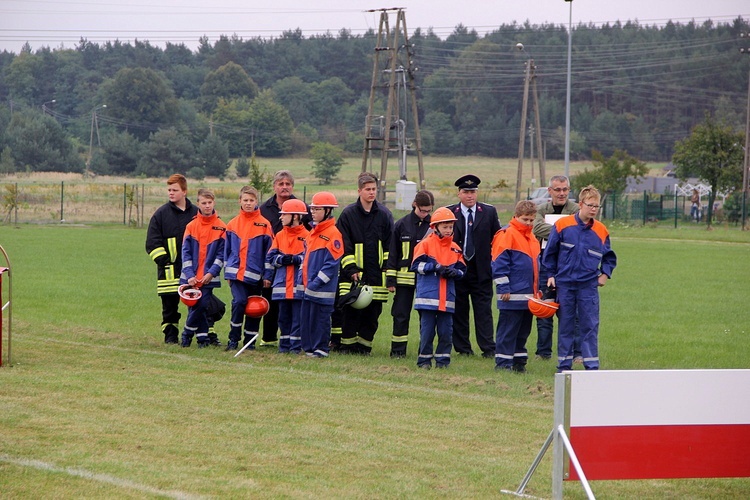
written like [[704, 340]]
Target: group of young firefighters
[[309, 263]]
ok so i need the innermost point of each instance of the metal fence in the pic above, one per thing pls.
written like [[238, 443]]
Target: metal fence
[[133, 204], [92, 203], [670, 209]]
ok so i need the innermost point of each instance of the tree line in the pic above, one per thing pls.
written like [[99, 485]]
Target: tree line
[[137, 109]]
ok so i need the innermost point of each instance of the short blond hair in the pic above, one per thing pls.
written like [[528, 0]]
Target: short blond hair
[[589, 192], [206, 193], [250, 190]]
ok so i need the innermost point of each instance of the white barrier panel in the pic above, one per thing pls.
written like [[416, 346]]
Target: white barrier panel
[[655, 424]]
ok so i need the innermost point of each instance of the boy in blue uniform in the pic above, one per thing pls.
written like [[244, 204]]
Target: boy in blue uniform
[[515, 269], [320, 276], [202, 260], [249, 237], [579, 260]]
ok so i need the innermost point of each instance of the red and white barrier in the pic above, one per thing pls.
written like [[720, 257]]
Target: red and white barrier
[[660, 424], [647, 424]]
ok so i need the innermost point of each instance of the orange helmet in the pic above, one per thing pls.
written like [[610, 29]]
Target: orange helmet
[[293, 206], [542, 308], [324, 199], [189, 296], [257, 306], [442, 214]]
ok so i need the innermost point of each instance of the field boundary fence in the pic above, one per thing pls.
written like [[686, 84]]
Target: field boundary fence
[[133, 204], [671, 209], [66, 202]]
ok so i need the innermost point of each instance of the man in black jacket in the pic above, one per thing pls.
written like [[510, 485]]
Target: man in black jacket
[[476, 225], [164, 245], [366, 227]]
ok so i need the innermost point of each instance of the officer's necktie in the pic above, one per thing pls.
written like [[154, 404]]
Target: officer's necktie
[[469, 240]]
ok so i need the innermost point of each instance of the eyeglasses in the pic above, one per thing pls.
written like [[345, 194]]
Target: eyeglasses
[[595, 207], [560, 190], [316, 209], [424, 211]]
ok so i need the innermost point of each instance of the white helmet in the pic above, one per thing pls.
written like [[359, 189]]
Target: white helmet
[[364, 299]]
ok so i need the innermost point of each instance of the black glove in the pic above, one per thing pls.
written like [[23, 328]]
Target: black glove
[[449, 273], [297, 260], [287, 259], [439, 269], [163, 261]]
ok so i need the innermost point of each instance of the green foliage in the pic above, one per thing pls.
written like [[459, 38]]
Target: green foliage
[[713, 153], [234, 121], [165, 153], [469, 89], [140, 96], [271, 125], [213, 155], [610, 174], [196, 173], [260, 180], [7, 165], [228, 82], [10, 202], [122, 151], [327, 161], [40, 142], [242, 167]]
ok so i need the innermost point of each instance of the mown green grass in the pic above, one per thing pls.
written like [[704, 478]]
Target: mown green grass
[[96, 406]]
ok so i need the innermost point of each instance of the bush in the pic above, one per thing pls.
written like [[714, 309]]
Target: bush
[[196, 173]]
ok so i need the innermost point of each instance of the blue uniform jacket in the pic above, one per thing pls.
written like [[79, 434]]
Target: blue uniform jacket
[[515, 254], [578, 252]]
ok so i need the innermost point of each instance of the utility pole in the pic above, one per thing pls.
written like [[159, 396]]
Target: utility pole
[[746, 163], [386, 133], [529, 81]]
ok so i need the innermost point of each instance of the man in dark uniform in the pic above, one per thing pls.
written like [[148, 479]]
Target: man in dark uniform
[[366, 227], [164, 245], [476, 225], [283, 186]]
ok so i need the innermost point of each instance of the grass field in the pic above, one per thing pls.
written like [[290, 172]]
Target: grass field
[[95, 406]]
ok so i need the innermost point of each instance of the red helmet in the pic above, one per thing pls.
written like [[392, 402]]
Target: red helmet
[[189, 296], [542, 308], [293, 206], [442, 214], [257, 306], [324, 199]]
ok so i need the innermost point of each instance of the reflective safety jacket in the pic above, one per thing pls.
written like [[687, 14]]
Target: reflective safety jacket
[[515, 264], [435, 292], [320, 269], [203, 249], [367, 237], [578, 252], [166, 229], [284, 278], [249, 237], [407, 232]]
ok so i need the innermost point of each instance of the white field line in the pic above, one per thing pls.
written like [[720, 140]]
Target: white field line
[[93, 476], [308, 373]]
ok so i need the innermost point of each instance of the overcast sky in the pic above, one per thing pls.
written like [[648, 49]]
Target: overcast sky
[[55, 22]]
